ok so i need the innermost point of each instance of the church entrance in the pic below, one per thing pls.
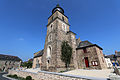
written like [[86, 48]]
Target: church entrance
[[86, 61]]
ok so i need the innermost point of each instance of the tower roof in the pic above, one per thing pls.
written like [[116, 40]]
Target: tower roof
[[58, 8]]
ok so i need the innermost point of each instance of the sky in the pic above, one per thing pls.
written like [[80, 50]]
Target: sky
[[23, 24]]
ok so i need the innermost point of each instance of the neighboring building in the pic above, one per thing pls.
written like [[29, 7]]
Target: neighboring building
[[108, 62], [37, 59], [112, 57], [90, 56], [85, 54], [115, 58], [117, 54], [8, 62]]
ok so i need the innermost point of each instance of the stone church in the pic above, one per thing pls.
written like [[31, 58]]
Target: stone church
[[85, 55]]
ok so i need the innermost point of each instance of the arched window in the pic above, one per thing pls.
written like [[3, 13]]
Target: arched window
[[51, 27], [49, 49], [64, 27], [49, 38]]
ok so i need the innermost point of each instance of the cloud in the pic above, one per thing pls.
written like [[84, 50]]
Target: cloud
[[21, 39]]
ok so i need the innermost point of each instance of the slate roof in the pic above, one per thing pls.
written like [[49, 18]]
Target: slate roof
[[9, 57], [39, 53], [84, 44]]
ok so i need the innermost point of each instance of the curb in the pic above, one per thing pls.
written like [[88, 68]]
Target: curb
[[5, 75]]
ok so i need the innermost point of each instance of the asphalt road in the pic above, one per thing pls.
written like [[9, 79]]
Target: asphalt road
[[3, 78]]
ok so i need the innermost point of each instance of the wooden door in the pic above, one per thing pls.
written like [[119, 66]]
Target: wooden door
[[86, 61]]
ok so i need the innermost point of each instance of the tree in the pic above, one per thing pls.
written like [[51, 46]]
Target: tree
[[66, 53], [27, 64]]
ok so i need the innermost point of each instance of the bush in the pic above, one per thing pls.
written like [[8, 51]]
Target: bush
[[15, 76], [28, 78], [20, 78], [9, 75]]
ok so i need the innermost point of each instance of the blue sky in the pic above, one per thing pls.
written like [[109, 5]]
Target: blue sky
[[23, 24]]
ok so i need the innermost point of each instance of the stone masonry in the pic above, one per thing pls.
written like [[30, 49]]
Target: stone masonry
[[84, 54], [43, 75]]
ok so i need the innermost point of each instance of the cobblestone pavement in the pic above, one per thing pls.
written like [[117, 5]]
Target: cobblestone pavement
[[3, 78]]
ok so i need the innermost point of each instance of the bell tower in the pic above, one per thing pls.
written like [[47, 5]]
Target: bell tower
[[57, 29]]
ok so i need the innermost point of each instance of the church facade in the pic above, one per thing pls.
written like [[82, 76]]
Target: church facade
[[85, 55]]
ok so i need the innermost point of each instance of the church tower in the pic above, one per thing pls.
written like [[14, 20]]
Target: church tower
[[57, 32]]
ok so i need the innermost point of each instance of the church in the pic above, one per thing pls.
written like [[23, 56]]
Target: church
[[85, 55]]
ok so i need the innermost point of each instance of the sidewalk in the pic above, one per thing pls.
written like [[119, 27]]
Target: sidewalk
[[91, 73]]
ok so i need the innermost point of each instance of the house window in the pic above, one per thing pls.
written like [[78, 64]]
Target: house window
[[94, 63], [84, 50]]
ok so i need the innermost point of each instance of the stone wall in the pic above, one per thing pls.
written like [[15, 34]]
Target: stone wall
[[44, 75], [101, 58]]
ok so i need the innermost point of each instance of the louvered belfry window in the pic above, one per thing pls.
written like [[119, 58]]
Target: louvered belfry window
[[84, 50]]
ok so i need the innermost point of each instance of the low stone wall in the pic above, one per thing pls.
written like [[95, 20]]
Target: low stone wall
[[44, 75]]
